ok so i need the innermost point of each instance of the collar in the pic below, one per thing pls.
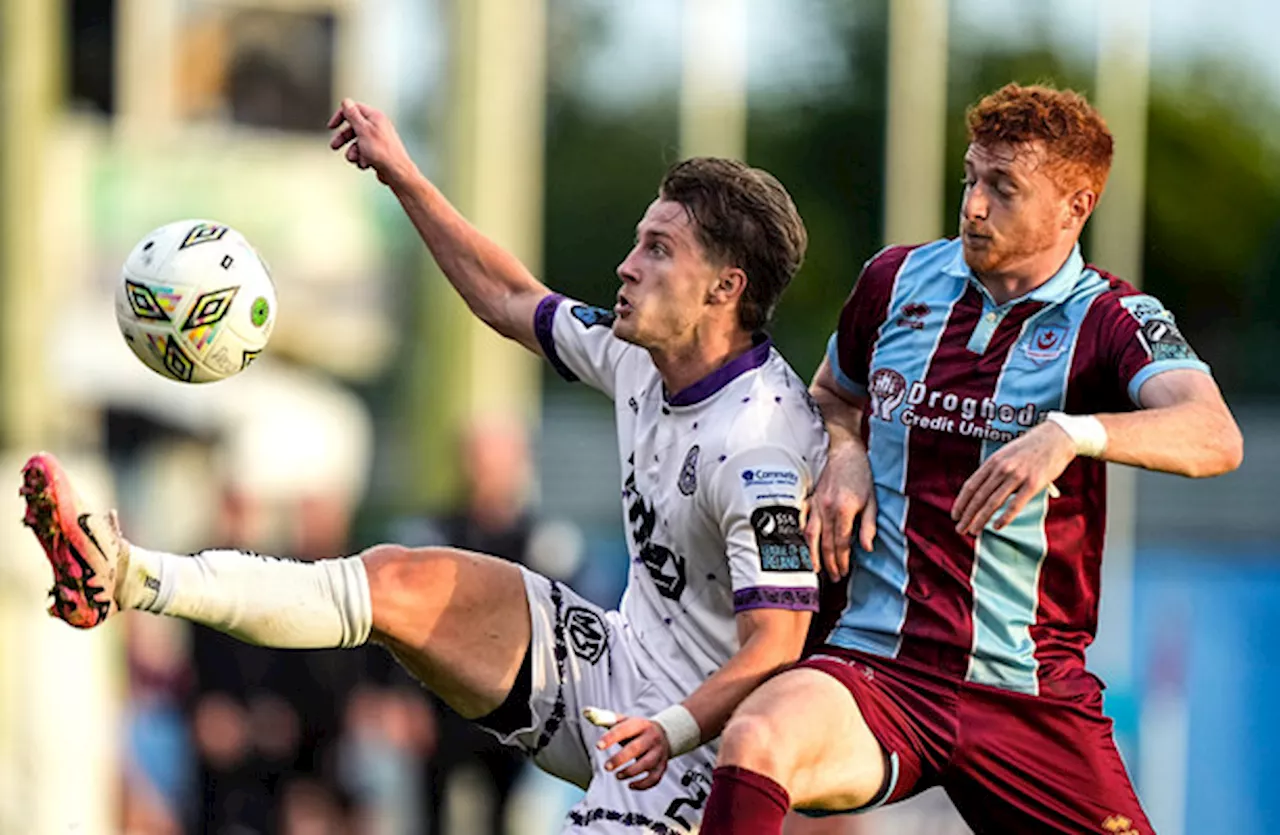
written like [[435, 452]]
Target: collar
[[725, 374], [1055, 290]]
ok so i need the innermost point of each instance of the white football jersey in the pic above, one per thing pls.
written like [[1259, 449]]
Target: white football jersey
[[713, 481]]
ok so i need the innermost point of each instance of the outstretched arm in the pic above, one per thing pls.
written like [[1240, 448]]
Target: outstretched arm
[[1184, 428], [493, 282], [770, 639]]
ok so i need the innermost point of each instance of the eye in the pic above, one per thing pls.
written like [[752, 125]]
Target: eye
[[658, 248], [967, 181]]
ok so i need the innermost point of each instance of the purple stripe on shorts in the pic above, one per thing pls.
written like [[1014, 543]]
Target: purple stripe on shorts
[[776, 597], [543, 321]]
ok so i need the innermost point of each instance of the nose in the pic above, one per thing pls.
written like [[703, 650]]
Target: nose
[[976, 203], [626, 270]]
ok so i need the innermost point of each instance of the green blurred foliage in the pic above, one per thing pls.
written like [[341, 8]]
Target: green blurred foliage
[[1213, 184]]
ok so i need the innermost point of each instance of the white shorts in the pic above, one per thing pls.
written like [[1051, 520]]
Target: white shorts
[[580, 656]]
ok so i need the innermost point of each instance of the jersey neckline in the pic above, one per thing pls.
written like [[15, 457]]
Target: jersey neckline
[[707, 386]]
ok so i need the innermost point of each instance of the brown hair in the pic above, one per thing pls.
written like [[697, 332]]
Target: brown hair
[[1074, 134], [743, 217]]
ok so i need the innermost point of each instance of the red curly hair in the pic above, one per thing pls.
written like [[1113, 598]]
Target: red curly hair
[[1074, 134]]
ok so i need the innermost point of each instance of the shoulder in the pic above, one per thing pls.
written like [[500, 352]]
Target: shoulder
[[1116, 301], [882, 271], [773, 409]]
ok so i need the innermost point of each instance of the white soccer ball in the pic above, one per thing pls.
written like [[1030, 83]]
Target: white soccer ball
[[195, 301]]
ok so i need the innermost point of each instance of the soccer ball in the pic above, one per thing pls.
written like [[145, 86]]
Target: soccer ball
[[195, 301]]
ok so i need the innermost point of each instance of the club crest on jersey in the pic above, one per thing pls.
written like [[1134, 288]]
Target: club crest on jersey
[[588, 636], [592, 316], [1047, 343], [688, 481], [887, 389]]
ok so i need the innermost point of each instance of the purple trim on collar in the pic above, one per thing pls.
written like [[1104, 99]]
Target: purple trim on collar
[[776, 597], [722, 376], [544, 319]]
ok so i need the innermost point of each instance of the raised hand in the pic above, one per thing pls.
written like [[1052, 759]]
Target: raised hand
[[371, 141]]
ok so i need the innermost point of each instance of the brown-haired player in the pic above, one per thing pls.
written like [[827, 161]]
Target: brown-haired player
[[973, 391], [719, 446]]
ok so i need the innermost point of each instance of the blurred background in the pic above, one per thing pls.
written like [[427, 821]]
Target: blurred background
[[382, 411]]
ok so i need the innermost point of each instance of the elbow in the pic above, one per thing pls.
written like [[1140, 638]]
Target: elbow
[[1232, 449], [1224, 453]]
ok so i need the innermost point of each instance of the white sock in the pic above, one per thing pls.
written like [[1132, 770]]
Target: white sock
[[261, 600]]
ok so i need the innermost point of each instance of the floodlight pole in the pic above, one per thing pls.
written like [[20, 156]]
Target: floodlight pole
[[713, 85], [30, 77], [493, 173], [1123, 93], [916, 129], [1116, 245]]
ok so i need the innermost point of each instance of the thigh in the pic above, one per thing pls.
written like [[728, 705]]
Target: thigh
[[1038, 766], [457, 620], [806, 729]]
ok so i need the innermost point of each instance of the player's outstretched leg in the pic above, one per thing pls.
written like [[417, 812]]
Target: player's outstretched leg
[[798, 740], [458, 621]]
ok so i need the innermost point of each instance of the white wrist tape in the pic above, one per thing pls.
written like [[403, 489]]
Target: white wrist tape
[[683, 733], [1086, 431]]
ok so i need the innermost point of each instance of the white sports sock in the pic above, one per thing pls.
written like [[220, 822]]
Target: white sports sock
[[261, 600]]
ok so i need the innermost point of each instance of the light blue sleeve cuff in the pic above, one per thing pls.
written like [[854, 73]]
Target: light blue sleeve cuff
[[1151, 369], [833, 360]]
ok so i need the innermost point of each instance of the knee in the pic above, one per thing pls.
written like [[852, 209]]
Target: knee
[[757, 741], [392, 568]]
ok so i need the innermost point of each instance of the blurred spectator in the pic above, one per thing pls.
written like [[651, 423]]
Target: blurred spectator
[[494, 518]]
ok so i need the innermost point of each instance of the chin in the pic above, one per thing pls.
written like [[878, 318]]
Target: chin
[[981, 260], [626, 331]]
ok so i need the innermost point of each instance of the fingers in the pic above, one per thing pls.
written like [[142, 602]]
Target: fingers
[[342, 137], [837, 534], [635, 748], [652, 779], [1015, 507], [355, 114], [600, 717], [867, 525], [812, 538], [646, 761], [986, 502], [353, 152], [336, 119], [626, 728]]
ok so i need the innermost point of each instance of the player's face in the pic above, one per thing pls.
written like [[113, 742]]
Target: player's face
[[666, 280], [1013, 211]]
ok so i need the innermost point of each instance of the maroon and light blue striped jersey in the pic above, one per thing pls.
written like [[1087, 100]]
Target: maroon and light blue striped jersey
[[951, 376]]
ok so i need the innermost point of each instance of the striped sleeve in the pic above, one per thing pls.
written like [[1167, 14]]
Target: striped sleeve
[[850, 347]]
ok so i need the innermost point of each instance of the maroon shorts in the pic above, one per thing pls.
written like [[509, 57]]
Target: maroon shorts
[[1010, 762]]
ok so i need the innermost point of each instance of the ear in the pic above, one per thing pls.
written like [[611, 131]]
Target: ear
[[1079, 206], [730, 284]]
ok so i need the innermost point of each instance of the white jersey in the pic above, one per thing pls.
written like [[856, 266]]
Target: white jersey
[[713, 480]]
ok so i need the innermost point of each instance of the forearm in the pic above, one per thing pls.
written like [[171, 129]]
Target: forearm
[[489, 279], [842, 416], [759, 658], [1195, 439]]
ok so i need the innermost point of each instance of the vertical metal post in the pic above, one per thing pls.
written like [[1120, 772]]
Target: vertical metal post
[[1116, 245], [30, 72], [713, 88], [1123, 83], [916, 131], [493, 174]]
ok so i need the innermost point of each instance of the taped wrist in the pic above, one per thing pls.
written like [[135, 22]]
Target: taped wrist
[[683, 733], [1085, 431]]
